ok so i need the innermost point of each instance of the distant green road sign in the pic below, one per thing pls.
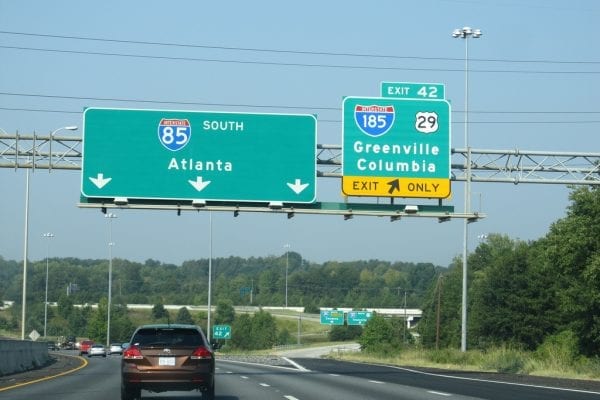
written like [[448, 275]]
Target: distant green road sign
[[332, 317], [221, 332], [359, 317], [412, 90], [197, 155]]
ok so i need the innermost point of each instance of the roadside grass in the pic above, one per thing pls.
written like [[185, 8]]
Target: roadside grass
[[503, 359]]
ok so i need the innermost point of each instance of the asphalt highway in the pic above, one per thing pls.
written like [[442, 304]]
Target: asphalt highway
[[307, 379]]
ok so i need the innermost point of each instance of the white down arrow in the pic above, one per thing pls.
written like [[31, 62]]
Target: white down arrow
[[297, 186], [198, 184], [100, 181]]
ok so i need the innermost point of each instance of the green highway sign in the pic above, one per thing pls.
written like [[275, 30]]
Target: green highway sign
[[395, 147], [198, 155], [221, 332], [332, 317], [359, 317], [411, 90]]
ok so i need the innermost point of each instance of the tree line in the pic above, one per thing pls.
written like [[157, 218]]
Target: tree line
[[525, 294], [259, 281], [520, 293]]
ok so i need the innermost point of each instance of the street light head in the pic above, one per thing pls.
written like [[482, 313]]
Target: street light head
[[465, 32], [110, 215], [48, 235], [67, 128]]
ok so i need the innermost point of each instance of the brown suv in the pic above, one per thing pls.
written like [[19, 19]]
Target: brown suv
[[167, 357]]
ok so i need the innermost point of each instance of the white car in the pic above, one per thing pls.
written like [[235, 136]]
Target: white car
[[115, 348], [97, 350]]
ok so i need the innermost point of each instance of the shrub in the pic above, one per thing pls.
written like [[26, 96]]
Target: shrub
[[505, 360], [559, 351], [379, 336], [448, 356]]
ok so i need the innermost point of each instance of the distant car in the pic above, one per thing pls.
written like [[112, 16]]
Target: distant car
[[97, 350], [52, 346], [115, 348], [168, 357], [84, 346]]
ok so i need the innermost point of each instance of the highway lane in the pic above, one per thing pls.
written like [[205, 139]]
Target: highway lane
[[459, 384], [308, 379], [295, 384], [99, 380]]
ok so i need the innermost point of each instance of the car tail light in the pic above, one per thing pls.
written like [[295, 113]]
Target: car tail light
[[132, 353], [201, 353]]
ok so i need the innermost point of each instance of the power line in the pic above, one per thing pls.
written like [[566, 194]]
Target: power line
[[191, 103], [292, 64], [339, 121], [322, 108], [286, 51]]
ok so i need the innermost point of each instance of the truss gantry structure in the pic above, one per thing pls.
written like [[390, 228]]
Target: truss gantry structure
[[515, 166]]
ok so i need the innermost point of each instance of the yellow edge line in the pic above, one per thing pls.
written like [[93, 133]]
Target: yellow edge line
[[85, 363]]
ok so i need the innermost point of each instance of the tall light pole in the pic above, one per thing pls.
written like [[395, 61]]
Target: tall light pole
[[466, 33], [110, 217], [210, 257], [26, 235], [287, 264], [47, 236]]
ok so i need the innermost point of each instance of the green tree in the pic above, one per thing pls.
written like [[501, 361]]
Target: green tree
[[513, 301], [96, 329], [241, 332], [345, 332], [379, 336], [224, 313], [264, 330], [440, 324], [184, 316], [573, 257], [159, 312]]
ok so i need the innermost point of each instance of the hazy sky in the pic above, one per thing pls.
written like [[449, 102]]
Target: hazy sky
[[534, 85]]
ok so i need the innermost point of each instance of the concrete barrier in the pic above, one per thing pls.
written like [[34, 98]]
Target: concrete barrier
[[21, 355]]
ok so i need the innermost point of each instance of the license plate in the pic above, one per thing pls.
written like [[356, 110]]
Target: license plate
[[166, 361]]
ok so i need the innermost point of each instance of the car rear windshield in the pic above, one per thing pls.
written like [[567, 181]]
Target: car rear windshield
[[167, 337]]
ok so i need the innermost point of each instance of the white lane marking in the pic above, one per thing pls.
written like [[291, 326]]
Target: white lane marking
[[244, 377], [264, 384], [266, 365], [228, 372], [295, 364], [439, 393], [334, 374], [291, 397], [493, 381], [377, 382]]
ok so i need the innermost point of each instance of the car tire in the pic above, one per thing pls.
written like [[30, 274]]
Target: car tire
[[128, 393], [209, 394]]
